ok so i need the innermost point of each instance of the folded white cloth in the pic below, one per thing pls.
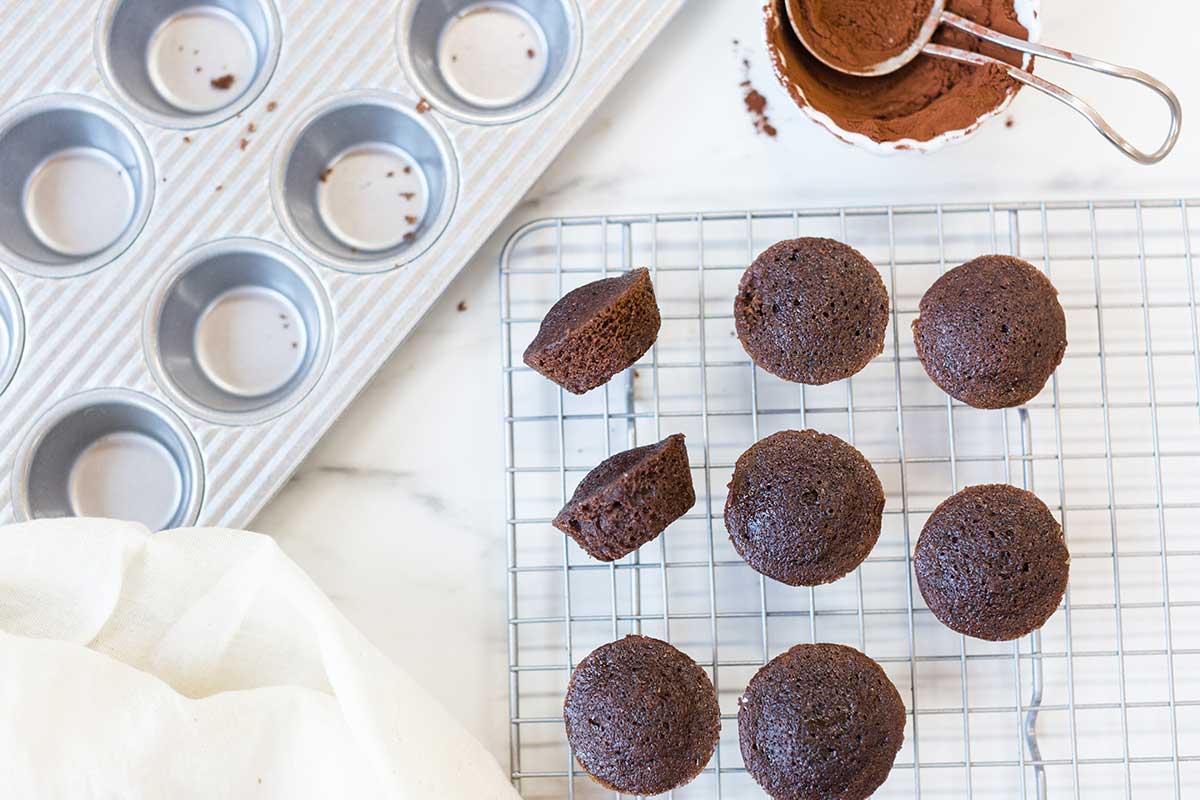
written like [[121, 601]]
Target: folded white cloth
[[203, 663]]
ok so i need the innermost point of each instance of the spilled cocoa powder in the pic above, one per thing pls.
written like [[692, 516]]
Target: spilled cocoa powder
[[856, 34], [923, 100], [756, 103]]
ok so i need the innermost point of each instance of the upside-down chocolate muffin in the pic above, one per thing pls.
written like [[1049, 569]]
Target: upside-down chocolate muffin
[[629, 499], [642, 718], [804, 508], [991, 332], [991, 562], [820, 722], [811, 311], [596, 331]]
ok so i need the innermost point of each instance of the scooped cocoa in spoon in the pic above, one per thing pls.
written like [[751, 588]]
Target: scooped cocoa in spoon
[[923, 100], [857, 34]]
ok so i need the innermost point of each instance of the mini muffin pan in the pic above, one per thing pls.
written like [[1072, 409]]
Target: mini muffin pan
[[219, 217]]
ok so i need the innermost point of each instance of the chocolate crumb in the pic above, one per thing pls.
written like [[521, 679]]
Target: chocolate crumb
[[325, 173], [220, 186], [408, 170], [391, 173], [271, 106], [423, 106], [410, 219], [1008, 123], [462, 306], [531, 53], [199, 70], [245, 143], [408, 237], [224, 83], [251, 128], [408, 195], [187, 140], [454, 59], [295, 346]]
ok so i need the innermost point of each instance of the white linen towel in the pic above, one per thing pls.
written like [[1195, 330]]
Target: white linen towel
[[203, 663]]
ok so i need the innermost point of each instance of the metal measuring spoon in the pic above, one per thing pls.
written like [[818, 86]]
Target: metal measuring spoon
[[938, 16]]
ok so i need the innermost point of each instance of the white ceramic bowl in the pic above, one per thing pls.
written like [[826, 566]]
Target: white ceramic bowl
[[1028, 14]]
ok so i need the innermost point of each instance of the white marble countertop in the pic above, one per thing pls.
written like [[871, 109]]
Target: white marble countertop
[[398, 513]]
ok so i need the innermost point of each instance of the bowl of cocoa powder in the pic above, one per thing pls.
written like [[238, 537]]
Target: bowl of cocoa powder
[[922, 107]]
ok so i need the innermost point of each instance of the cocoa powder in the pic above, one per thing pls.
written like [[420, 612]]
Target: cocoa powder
[[921, 101], [857, 34]]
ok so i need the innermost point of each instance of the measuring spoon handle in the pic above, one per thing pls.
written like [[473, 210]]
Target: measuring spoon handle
[[1060, 94]]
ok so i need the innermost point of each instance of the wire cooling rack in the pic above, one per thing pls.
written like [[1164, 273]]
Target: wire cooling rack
[[1103, 702]]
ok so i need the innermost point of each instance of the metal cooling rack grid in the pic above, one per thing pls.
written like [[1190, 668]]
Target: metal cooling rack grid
[[1104, 701]]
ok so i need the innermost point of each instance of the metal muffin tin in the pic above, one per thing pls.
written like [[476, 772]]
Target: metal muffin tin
[[219, 217]]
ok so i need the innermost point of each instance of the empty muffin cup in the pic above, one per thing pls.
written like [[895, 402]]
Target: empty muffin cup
[[187, 63], [490, 62], [110, 453], [238, 331], [12, 332], [364, 183], [76, 185]]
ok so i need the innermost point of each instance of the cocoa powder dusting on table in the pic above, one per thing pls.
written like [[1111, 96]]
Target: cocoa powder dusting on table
[[756, 103]]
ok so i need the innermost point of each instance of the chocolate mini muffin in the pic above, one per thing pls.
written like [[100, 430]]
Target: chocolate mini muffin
[[642, 718], [804, 508], [991, 332], [991, 562], [812, 311], [596, 331], [629, 499], [820, 721]]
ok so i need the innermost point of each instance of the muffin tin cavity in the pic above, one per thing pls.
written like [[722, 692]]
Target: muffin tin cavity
[[12, 332], [238, 331], [110, 453], [364, 183], [490, 62], [188, 63], [76, 185]]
